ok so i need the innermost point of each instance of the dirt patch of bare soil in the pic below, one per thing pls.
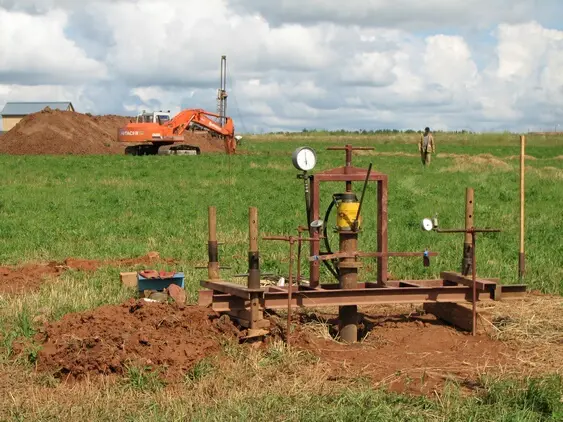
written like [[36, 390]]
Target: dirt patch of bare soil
[[414, 353], [61, 132], [26, 278], [110, 339], [16, 280], [93, 264]]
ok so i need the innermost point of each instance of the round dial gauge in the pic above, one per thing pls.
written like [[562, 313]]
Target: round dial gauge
[[427, 224], [304, 158]]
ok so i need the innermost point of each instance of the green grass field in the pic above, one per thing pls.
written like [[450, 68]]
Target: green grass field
[[98, 207]]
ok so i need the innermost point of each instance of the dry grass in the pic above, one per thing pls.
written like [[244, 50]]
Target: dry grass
[[533, 326], [548, 172], [470, 163], [271, 166], [517, 157], [386, 154]]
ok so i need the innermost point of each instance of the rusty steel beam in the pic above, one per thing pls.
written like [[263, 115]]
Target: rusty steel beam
[[325, 257], [361, 296], [481, 284], [230, 288]]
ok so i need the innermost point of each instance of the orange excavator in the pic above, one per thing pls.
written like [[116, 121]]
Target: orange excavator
[[158, 133], [155, 133]]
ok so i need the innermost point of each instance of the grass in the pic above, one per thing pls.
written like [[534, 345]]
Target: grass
[[93, 207], [107, 207]]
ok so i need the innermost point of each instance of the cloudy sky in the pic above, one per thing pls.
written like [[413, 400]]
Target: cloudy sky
[[293, 64]]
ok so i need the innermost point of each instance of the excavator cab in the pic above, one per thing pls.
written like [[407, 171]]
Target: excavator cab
[[158, 117]]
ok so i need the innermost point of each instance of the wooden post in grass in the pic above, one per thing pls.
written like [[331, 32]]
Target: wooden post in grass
[[253, 267], [467, 262], [521, 255], [212, 248]]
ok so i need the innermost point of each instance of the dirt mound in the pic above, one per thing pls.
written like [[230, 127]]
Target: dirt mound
[[61, 132], [110, 339], [205, 141], [20, 279]]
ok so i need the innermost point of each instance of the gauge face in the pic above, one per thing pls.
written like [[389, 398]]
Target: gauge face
[[427, 224], [317, 223], [304, 158]]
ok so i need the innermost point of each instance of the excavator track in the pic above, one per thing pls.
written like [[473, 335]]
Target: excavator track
[[148, 149], [152, 149], [179, 150]]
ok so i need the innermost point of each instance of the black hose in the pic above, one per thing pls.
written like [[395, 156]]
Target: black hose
[[307, 200], [334, 271]]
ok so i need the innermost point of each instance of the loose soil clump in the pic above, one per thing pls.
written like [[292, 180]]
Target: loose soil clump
[[108, 340]]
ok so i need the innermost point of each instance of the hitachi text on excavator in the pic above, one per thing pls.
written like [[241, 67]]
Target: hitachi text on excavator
[[159, 133]]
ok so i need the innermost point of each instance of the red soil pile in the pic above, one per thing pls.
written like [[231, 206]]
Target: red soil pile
[[61, 132], [21, 279], [109, 339], [415, 354]]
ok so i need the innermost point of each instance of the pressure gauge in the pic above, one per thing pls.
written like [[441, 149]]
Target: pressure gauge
[[427, 224], [304, 158]]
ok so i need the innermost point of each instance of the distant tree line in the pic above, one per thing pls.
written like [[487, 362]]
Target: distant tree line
[[364, 131]]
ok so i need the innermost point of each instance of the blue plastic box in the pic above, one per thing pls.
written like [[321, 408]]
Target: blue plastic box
[[159, 284]]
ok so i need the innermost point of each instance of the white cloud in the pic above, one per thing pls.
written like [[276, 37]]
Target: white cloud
[[406, 14], [37, 51], [294, 64]]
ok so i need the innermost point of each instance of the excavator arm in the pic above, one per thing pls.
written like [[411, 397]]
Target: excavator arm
[[182, 121]]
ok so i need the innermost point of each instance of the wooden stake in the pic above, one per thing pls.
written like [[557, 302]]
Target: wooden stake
[[466, 262]]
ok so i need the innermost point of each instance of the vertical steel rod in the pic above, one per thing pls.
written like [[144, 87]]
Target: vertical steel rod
[[298, 258], [521, 255], [474, 277], [289, 290]]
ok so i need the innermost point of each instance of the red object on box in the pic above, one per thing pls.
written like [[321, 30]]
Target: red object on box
[[157, 274]]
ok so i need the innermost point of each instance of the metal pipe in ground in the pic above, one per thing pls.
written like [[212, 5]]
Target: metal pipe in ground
[[289, 289], [348, 315], [521, 255], [474, 295]]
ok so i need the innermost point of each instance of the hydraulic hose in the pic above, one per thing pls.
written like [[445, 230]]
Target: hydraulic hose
[[334, 271]]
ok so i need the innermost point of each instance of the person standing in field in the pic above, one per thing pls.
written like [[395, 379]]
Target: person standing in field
[[426, 146]]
